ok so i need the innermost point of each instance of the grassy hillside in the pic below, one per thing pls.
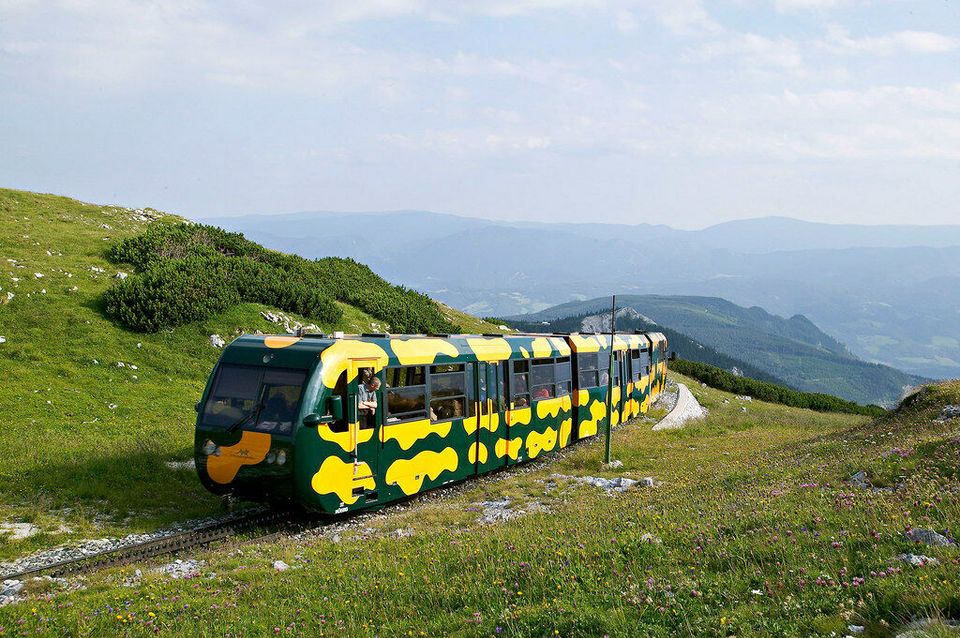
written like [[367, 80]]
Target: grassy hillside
[[793, 350], [745, 386], [85, 442], [750, 531]]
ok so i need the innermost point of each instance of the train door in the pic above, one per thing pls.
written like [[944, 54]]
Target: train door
[[491, 424], [618, 385], [519, 414], [365, 427]]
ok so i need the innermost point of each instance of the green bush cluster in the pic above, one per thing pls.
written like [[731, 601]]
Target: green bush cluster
[[191, 271], [729, 382]]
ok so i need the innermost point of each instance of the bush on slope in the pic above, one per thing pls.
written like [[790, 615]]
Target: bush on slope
[[191, 271]]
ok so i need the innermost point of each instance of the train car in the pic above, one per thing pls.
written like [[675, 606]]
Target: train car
[[291, 419]]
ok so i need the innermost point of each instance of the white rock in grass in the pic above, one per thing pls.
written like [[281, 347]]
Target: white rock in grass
[[182, 568], [9, 591], [919, 560], [3, 339], [928, 537], [38, 275], [217, 341], [280, 566], [18, 531], [121, 275]]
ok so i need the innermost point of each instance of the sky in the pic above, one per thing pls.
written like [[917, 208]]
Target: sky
[[682, 112]]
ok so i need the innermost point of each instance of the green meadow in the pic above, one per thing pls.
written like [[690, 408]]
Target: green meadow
[[750, 530]]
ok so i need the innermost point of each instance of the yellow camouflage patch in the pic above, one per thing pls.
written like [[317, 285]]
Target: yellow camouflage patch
[[421, 351], [409, 474], [339, 477]]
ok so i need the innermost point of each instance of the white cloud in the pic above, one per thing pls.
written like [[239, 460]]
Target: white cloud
[[877, 123], [791, 6], [754, 50], [839, 41]]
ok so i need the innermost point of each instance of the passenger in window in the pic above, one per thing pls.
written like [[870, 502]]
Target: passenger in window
[[541, 393], [368, 396]]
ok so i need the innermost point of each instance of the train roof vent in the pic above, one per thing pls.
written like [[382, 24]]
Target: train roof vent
[[314, 335], [382, 335]]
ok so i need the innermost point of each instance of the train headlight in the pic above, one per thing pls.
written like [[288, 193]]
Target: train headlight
[[281, 457], [271, 457], [209, 447]]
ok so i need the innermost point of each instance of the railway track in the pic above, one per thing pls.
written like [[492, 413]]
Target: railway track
[[261, 524]]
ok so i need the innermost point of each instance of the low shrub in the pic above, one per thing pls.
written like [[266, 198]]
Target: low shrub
[[180, 263], [170, 294]]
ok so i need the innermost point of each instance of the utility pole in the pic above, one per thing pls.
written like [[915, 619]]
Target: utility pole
[[613, 330]]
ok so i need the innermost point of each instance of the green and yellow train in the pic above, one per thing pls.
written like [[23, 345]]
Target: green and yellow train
[[290, 419]]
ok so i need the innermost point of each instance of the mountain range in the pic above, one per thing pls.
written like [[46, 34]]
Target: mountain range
[[749, 341], [890, 293]]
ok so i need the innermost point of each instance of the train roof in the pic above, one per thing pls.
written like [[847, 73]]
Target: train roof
[[302, 351]]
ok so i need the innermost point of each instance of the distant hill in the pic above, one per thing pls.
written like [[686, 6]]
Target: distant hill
[[891, 293], [793, 351], [629, 320]]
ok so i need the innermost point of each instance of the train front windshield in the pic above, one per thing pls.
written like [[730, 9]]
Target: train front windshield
[[254, 398]]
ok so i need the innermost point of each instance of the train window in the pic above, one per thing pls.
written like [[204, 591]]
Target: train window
[[587, 370], [445, 385], [448, 392], [563, 376], [603, 367], [279, 400], [446, 409], [501, 386], [645, 362], [617, 363], [406, 394], [254, 398], [542, 379], [406, 376], [340, 390], [447, 367], [520, 384]]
